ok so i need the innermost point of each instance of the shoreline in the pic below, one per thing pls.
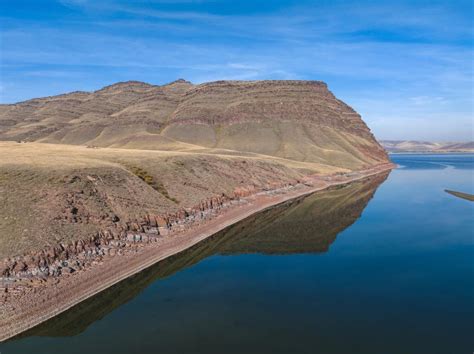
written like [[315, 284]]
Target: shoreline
[[53, 298]]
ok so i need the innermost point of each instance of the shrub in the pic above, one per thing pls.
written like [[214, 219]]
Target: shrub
[[148, 179]]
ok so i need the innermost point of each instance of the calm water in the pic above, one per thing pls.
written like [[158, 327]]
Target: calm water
[[383, 266]]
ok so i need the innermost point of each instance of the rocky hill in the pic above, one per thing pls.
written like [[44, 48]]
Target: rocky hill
[[106, 158], [296, 120], [401, 146]]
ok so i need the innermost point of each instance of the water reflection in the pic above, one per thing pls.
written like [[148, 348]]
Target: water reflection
[[305, 225]]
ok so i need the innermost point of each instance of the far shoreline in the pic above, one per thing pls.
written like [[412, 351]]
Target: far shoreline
[[431, 153]]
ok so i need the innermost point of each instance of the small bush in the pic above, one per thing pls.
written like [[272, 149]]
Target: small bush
[[156, 185]]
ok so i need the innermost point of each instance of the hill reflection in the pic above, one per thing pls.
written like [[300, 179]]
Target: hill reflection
[[305, 225]]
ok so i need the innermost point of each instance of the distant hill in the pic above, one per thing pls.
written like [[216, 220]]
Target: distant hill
[[400, 146], [295, 120]]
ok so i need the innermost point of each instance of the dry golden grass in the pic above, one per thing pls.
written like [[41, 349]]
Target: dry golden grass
[[41, 183]]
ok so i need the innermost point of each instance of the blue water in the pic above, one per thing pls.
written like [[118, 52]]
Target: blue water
[[376, 267]]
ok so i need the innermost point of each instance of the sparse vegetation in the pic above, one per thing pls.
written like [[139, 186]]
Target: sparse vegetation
[[152, 182]]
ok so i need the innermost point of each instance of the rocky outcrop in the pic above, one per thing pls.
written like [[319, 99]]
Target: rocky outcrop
[[116, 239], [261, 101]]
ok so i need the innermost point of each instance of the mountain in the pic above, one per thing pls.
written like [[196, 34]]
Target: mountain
[[93, 160], [296, 120], [400, 146]]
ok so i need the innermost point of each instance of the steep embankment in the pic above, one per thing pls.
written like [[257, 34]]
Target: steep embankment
[[297, 120]]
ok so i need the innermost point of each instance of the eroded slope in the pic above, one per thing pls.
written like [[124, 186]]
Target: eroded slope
[[297, 120]]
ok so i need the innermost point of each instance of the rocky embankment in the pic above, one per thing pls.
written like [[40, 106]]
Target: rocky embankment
[[124, 236], [114, 240]]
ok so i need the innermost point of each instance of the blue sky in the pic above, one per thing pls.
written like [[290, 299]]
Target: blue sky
[[406, 66]]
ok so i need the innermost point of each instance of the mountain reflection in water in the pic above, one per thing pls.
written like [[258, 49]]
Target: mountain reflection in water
[[305, 225]]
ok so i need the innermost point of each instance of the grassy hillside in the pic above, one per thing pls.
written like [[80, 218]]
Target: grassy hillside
[[51, 193]]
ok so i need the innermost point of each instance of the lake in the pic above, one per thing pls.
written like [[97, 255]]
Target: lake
[[379, 266]]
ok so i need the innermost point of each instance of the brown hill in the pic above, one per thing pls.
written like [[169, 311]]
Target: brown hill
[[296, 120]]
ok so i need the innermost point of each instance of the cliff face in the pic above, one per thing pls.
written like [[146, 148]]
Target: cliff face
[[296, 120]]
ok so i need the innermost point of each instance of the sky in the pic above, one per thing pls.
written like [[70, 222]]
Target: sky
[[405, 66]]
